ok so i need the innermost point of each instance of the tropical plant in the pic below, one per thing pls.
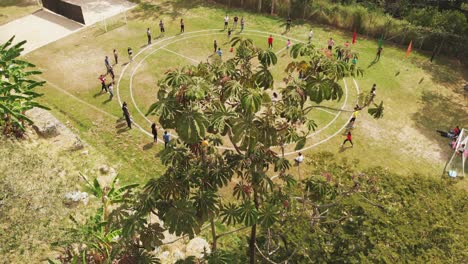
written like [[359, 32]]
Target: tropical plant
[[230, 101], [17, 88], [113, 232]]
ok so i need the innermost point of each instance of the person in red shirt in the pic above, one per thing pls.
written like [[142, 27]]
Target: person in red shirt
[[270, 42], [102, 78], [348, 138], [456, 131]]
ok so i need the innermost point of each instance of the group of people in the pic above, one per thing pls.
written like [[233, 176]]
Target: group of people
[[235, 21]]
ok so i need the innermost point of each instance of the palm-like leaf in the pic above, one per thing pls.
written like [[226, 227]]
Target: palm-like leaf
[[248, 213], [180, 219], [267, 57], [229, 214], [268, 215]]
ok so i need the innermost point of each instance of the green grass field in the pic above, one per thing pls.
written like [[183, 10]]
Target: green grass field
[[419, 96], [13, 9]]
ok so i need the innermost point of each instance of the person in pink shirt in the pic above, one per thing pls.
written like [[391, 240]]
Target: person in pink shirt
[[331, 43]]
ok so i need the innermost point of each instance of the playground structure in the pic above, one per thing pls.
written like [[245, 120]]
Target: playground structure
[[455, 166]]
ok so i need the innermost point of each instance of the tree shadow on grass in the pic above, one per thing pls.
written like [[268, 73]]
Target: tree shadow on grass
[[175, 9], [439, 113], [446, 73]]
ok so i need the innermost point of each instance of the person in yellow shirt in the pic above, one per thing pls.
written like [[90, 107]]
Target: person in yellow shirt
[[205, 143]]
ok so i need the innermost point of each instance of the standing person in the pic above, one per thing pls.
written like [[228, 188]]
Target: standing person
[[219, 52], [330, 44], [215, 46], [348, 139], [148, 34], [353, 119], [130, 53], [111, 90], [288, 44], [102, 78], [346, 44], [339, 56], [126, 114], [107, 63], [161, 26], [275, 97], [288, 24], [111, 71], [347, 56], [166, 138], [226, 22], [242, 23], [354, 61], [116, 57], [234, 27], [373, 90], [182, 26], [270, 42], [311, 34], [154, 131], [229, 33], [299, 159], [377, 56]]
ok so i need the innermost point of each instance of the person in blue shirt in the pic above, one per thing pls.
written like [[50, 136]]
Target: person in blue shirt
[[220, 53], [166, 138]]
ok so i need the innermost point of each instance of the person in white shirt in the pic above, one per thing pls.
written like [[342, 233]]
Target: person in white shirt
[[299, 159], [311, 34], [226, 21]]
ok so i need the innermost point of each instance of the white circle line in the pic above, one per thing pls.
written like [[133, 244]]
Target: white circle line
[[219, 33]]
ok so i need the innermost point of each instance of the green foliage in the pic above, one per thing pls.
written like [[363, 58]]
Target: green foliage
[[230, 99], [369, 217], [17, 87]]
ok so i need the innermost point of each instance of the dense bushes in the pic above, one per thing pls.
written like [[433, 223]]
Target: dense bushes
[[373, 216], [430, 29]]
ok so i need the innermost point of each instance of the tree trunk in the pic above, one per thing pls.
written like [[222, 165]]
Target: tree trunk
[[259, 7], [304, 9], [242, 3], [213, 234], [272, 7], [253, 232], [253, 237]]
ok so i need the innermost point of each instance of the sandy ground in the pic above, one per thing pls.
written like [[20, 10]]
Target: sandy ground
[[39, 29], [44, 27]]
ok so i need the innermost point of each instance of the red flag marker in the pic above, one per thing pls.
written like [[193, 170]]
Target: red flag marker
[[410, 47]]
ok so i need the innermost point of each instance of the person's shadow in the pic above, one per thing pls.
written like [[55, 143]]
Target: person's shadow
[[372, 63], [343, 149], [120, 131], [148, 146], [107, 101]]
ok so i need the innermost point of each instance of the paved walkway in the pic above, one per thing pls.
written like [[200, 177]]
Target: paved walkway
[[44, 27], [39, 29]]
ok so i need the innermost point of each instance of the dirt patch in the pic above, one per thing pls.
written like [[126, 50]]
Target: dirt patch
[[35, 175]]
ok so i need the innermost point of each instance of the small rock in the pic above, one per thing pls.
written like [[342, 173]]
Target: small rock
[[104, 169], [164, 255], [76, 197], [48, 129], [78, 144], [178, 255], [197, 246]]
